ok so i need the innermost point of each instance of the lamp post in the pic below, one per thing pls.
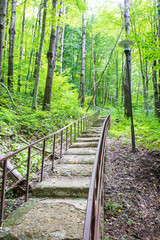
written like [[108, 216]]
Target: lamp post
[[126, 45]]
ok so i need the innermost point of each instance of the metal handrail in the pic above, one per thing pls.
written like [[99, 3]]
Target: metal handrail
[[71, 132], [92, 221]]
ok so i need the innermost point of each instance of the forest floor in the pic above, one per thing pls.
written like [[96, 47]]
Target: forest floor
[[132, 192]]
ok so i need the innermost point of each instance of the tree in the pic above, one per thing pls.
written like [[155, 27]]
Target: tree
[[11, 46], [3, 5], [82, 82], [52, 55], [159, 59], [38, 66], [21, 48]]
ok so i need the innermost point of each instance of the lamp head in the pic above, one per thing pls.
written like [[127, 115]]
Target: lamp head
[[125, 44]]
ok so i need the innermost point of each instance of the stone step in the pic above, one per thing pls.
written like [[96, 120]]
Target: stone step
[[76, 159], [93, 131], [73, 170], [63, 187], [94, 139], [84, 144], [47, 219], [81, 151], [89, 135]]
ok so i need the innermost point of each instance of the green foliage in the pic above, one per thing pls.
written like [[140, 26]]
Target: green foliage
[[147, 130]]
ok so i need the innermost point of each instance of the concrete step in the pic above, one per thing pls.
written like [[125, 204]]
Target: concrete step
[[69, 170], [81, 151], [63, 187], [47, 219], [94, 139], [93, 131], [89, 135], [76, 159], [84, 144]]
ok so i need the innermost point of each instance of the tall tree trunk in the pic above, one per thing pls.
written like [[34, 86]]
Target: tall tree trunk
[[34, 31], [159, 59], [154, 80], [4, 71], [127, 111], [144, 83], [94, 72], [117, 88], [3, 5], [11, 46], [38, 67], [82, 82], [62, 44], [104, 91], [52, 55], [122, 97], [21, 49]]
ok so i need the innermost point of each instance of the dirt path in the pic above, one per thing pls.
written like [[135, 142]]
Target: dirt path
[[132, 193]]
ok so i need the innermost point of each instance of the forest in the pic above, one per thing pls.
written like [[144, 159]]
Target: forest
[[59, 59], [64, 60]]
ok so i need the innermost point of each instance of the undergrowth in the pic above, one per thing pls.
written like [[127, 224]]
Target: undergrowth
[[147, 128]]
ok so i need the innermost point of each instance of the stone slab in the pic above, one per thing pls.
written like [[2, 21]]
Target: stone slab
[[94, 139], [62, 187], [76, 159], [81, 151], [89, 135], [73, 170], [84, 144], [46, 219]]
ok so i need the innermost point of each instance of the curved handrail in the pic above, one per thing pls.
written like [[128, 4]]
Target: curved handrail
[[92, 221]]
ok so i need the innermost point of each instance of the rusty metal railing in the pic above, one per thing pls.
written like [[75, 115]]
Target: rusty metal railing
[[51, 145], [93, 212]]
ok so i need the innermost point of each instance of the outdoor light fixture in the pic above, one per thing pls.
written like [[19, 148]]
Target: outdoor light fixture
[[127, 50]]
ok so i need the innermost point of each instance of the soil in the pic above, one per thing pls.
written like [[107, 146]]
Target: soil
[[132, 192]]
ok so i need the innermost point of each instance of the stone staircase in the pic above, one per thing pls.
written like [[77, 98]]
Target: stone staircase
[[57, 208]]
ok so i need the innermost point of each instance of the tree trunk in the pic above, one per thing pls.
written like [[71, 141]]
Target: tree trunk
[[122, 97], [21, 49], [155, 89], [82, 82], [62, 44], [144, 83], [34, 30], [117, 88], [127, 111], [4, 71], [38, 67], [3, 5], [159, 59], [51, 55], [11, 46], [94, 72]]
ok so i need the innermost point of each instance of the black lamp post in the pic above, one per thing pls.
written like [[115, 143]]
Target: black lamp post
[[126, 45]]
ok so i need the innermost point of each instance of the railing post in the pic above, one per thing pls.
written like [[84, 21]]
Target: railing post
[[3, 191], [43, 156], [61, 143], [54, 147], [28, 171], [71, 135], [74, 131], [83, 124], [66, 138]]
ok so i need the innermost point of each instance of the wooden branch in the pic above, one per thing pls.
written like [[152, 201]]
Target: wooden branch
[[98, 82], [8, 93]]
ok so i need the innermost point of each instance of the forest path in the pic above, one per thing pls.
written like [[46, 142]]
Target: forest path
[[57, 209]]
